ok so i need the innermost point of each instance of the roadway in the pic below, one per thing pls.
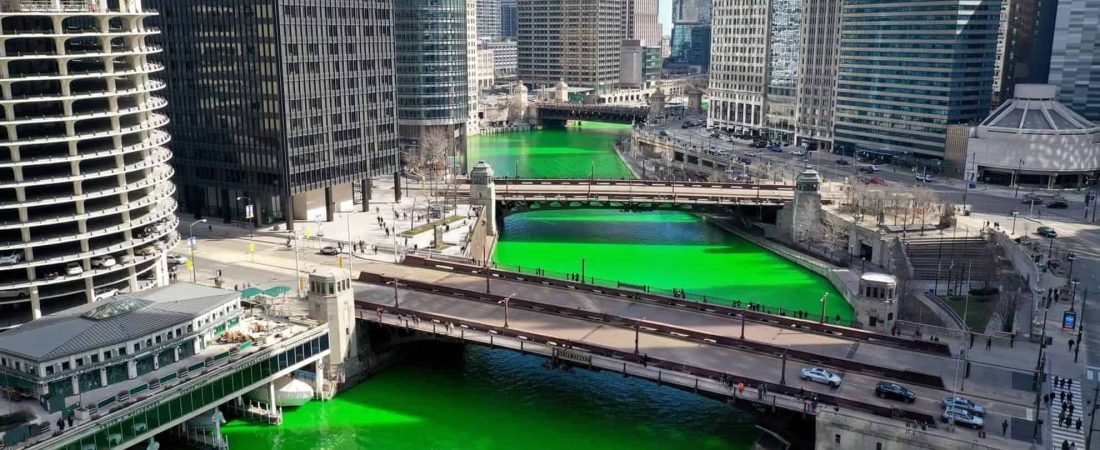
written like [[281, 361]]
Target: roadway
[[679, 193]]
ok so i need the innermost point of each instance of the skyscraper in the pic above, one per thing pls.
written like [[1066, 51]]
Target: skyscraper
[[740, 69], [508, 24], [1023, 46], [488, 19], [85, 190], [432, 54], [691, 33], [641, 22], [578, 41], [1075, 56], [288, 107], [473, 21], [820, 36], [909, 69]]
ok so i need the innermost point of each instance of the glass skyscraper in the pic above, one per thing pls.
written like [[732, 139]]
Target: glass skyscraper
[[908, 69], [1075, 56], [691, 28]]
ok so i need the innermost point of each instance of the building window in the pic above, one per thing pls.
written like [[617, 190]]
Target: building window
[[836, 438]]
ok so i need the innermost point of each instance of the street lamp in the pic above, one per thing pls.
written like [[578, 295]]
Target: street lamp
[[1050, 251], [823, 298], [191, 243], [249, 214], [506, 300], [1014, 214], [395, 284], [1071, 256], [1073, 294]]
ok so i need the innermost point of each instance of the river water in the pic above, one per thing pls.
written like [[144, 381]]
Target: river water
[[486, 399]]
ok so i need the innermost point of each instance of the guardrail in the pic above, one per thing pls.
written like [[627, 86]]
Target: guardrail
[[700, 306], [600, 357], [665, 329], [618, 182]]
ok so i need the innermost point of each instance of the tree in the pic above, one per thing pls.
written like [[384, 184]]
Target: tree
[[1006, 309]]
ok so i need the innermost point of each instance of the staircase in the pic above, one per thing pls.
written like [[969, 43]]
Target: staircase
[[932, 257]]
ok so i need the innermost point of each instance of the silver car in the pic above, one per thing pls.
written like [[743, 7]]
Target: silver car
[[964, 404], [819, 375], [961, 417]]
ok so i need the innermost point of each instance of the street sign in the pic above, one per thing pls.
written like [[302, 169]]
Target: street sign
[[251, 247], [248, 214]]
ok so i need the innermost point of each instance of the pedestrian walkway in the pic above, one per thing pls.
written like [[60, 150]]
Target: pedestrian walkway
[[1066, 414]]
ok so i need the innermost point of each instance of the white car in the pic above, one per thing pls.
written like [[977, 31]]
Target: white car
[[125, 258], [175, 259], [147, 250], [962, 418], [11, 258], [13, 293], [798, 153], [103, 262], [73, 269], [819, 375], [104, 294], [925, 178]]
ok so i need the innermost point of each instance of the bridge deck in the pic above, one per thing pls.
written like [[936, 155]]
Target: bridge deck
[[1001, 401]]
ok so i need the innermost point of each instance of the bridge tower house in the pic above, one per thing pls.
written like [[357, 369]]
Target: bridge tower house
[[331, 300], [483, 193], [877, 301], [797, 220]]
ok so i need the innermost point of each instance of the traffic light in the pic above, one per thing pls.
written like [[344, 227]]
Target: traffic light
[[967, 369]]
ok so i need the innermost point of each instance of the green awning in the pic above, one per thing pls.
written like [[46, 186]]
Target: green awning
[[251, 292], [277, 291]]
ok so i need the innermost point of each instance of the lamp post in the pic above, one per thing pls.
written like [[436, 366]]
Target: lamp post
[[1014, 214], [1073, 294], [1017, 180], [823, 299], [395, 284], [249, 213], [191, 244], [1071, 256], [505, 302], [1050, 250]]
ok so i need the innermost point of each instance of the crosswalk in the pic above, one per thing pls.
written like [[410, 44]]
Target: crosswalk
[[1059, 432]]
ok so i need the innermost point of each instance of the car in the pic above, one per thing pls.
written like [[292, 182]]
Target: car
[[925, 178], [964, 404], [1057, 204], [775, 149], [961, 417], [664, 133], [876, 180], [104, 294], [1046, 232], [125, 258], [1034, 201], [798, 152], [147, 250], [843, 162], [329, 250], [175, 259], [103, 262], [14, 293], [752, 154], [73, 268], [868, 168], [11, 257], [819, 375], [886, 389], [745, 161]]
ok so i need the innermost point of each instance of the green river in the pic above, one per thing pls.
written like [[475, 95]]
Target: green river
[[487, 399]]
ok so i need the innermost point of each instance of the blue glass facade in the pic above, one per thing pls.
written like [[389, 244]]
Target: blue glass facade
[[907, 70]]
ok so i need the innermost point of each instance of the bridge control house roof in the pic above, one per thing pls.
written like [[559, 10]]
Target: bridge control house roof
[[121, 337]]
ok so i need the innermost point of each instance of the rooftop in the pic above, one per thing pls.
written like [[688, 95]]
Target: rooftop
[[1035, 110], [120, 319]]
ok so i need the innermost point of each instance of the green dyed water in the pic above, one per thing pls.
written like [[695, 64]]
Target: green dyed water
[[568, 153], [664, 250], [482, 399]]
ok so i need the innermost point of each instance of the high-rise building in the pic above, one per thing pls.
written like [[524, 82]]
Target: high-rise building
[[820, 36], [1075, 56], [285, 110], [432, 53], [508, 24], [504, 59], [640, 17], [740, 69], [691, 33], [485, 68], [639, 64], [86, 204], [473, 88], [1023, 45], [488, 19], [578, 41], [908, 69]]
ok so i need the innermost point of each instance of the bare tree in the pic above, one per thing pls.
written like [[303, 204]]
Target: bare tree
[[830, 235], [1006, 309]]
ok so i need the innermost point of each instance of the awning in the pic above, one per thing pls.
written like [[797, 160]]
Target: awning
[[251, 292], [277, 291]]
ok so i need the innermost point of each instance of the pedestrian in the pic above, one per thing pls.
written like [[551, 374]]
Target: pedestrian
[[1078, 424], [1011, 340], [645, 360], [1069, 398], [740, 387], [971, 340], [801, 393], [1065, 444], [71, 421], [60, 424], [1004, 427], [988, 343], [1069, 384], [210, 228], [1071, 408], [908, 427], [1062, 397], [760, 392], [1071, 345]]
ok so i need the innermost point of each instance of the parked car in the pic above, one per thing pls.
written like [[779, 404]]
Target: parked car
[[13, 293], [752, 154], [962, 418], [329, 250], [925, 178], [868, 168], [843, 162], [103, 262], [104, 294], [894, 391], [73, 268], [175, 259], [13, 257], [124, 258], [745, 161], [1057, 204], [819, 375], [1046, 232], [798, 152], [964, 404], [147, 250], [876, 180]]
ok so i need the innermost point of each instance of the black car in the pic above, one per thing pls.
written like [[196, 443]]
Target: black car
[[1058, 205], [886, 389], [843, 162], [1046, 232]]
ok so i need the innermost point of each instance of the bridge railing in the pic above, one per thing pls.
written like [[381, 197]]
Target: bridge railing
[[595, 356], [694, 301], [502, 181], [665, 329]]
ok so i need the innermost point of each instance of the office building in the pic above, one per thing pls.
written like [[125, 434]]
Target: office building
[[86, 204], [508, 24], [486, 71], [754, 66], [1023, 45], [578, 41], [640, 17], [639, 65], [505, 59], [488, 19], [473, 68], [1075, 56], [285, 108], [432, 82], [820, 35], [909, 69], [691, 33]]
